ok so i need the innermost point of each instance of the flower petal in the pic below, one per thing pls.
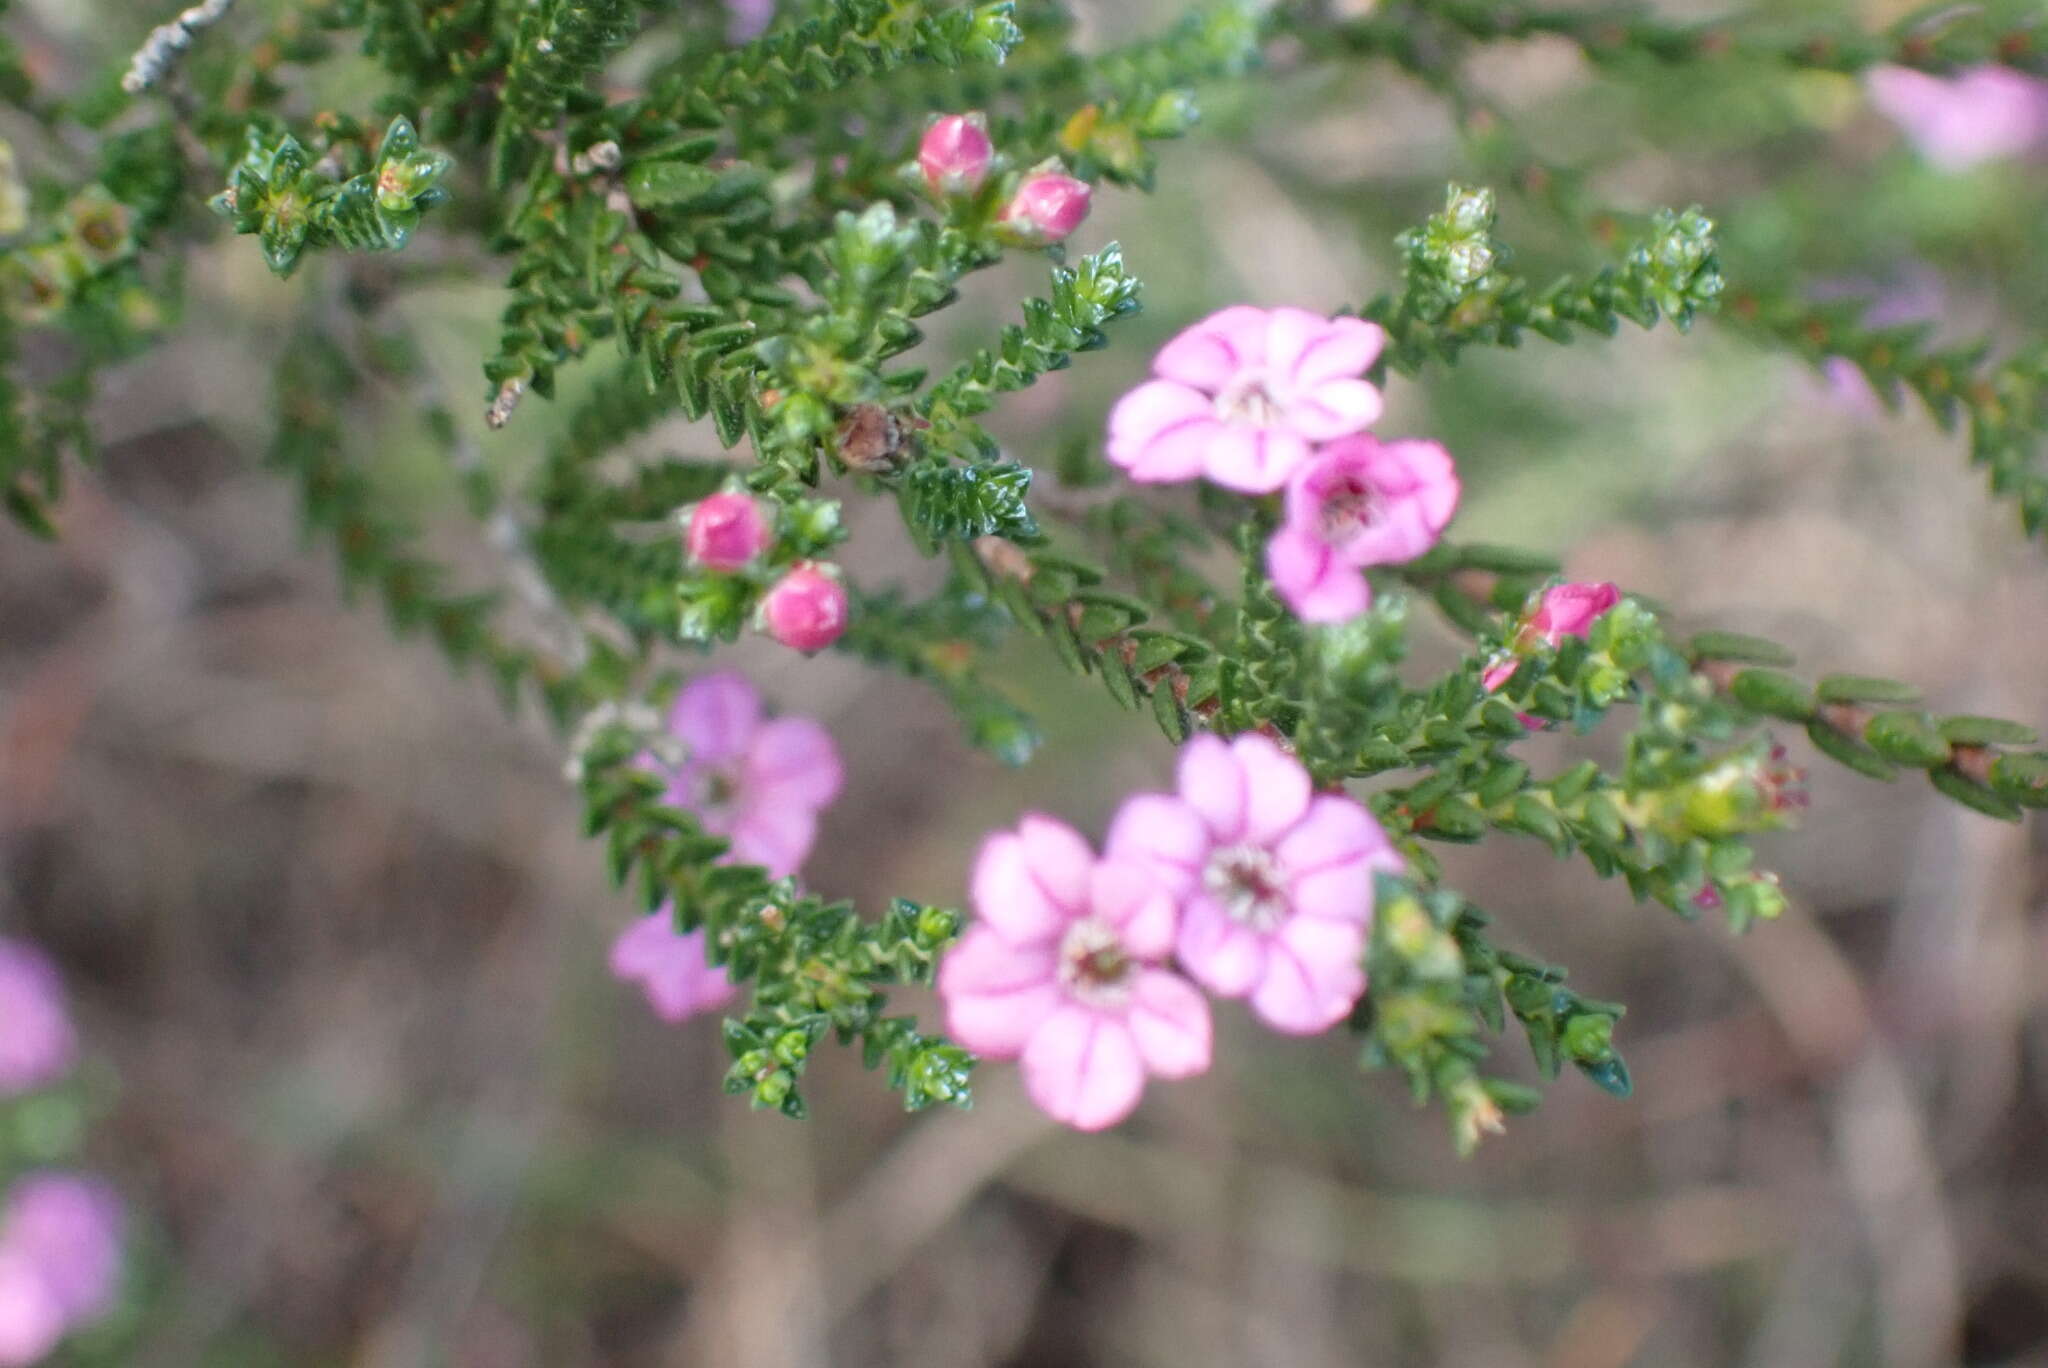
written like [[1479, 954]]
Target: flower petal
[[1131, 898], [1336, 408], [1343, 348], [778, 837], [1311, 581], [997, 994], [1313, 975], [1083, 1068], [1334, 831], [793, 760], [1159, 431], [715, 715], [1212, 783], [1059, 858], [1276, 787], [1253, 460], [1222, 954], [1211, 353], [1008, 898], [1164, 833], [1170, 1023]]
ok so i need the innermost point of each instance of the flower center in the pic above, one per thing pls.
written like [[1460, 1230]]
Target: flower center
[[712, 795], [1348, 509], [1246, 879], [1094, 966], [1245, 400]]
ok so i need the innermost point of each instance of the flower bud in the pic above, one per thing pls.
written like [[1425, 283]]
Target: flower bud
[[954, 155], [806, 610], [1569, 610], [1046, 208], [726, 531]]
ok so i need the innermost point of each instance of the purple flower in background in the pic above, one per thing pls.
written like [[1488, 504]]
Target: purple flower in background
[[758, 782], [1956, 122], [71, 1227], [747, 19], [31, 1321], [37, 1045], [672, 967]]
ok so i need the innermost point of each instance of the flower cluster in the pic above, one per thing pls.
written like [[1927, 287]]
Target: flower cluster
[[1043, 206], [1244, 881], [60, 1233], [758, 782], [728, 533], [1264, 400]]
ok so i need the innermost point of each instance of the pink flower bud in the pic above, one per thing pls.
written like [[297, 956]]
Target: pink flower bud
[[806, 610], [1046, 208], [726, 531], [1569, 610], [955, 153]]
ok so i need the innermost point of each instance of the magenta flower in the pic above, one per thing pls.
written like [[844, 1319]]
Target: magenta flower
[[1242, 396], [671, 967], [37, 1044], [1566, 610], [1061, 972], [1046, 208], [31, 1320], [726, 531], [1984, 114], [806, 609], [1357, 502], [758, 783], [954, 154], [70, 1228], [1275, 882]]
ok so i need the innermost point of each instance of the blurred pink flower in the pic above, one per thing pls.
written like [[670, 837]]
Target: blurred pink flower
[[1046, 208], [1061, 971], [1275, 882], [70, 1227], [671, 967], [1565, 610], [31, 1320], [726, 531], [954, 154], [806, 609], [757, 782], [1357, 502], [1243, 395], [1983, 114], [37, 1044]]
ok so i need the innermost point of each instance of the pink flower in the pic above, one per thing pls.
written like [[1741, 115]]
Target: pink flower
[[1357, 502], [671, 967], [955, 153], [1565, 610], [37, 1044], [747, 19], [806, 609], [31, 1320], [758, 783], [726, 531], [1275, 882], [1242, 396], [1061, 971], [1046, 208], [1983, 114], [69, 1227]]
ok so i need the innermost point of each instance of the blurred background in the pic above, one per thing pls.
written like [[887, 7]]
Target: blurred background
[[338, 952]]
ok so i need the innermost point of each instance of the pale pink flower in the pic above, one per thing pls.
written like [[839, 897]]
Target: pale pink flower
[[1046, 208], [671, 967], [746, 20], [31, 1319], [806, 609], [954, 154], [1983, 114], [1061, 971], [1275, 882], [70, 1228], [1357, 502], [1566, 610], [727, 531], [1244, 395], [757, 782], [37, 1043]]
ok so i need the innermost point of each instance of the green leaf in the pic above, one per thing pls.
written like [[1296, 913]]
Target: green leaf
[[1842, 750], [1865, 689], [1773, 693], [1737, 647], [1906, 738], [1973, 795], [1986, 731]]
